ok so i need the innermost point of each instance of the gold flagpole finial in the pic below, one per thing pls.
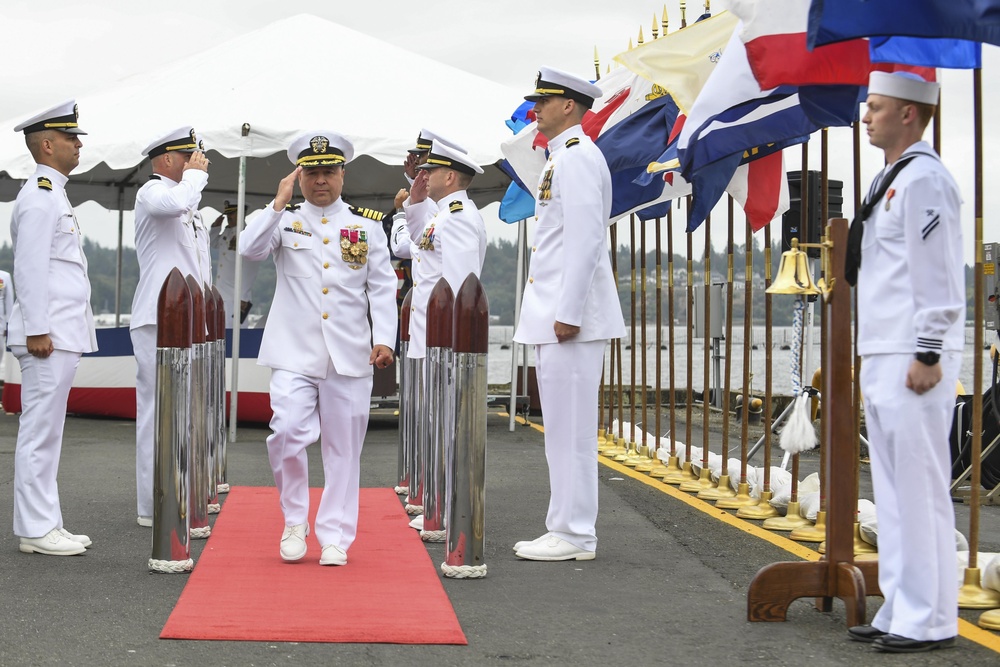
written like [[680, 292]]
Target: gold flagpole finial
[[684, 20], [708, 6], [664, 22], [608, 70], [630, 47], [597, 63], [640, 35], [656, 28]]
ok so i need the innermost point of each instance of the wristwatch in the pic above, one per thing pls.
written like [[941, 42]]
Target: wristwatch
[[928, 358]]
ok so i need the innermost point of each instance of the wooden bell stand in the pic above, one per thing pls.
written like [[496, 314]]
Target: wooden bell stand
[[836, 575]]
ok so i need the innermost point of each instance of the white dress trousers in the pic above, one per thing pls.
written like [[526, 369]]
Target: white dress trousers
[[298, 401], [45, 388], [911, 471], [144, 348], [569, 375]]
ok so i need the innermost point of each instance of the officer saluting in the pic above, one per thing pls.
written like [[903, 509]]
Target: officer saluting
[[451, 244], [169, 233], [911, 314], [333, 273], [569, 309], [50, 327]]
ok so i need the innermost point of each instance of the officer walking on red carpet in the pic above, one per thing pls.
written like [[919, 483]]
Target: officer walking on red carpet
[[333, 274], [569, 310], [169, 232], [911, 318], [51, 325]]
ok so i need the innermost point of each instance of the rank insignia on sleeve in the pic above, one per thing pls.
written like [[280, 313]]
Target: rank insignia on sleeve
[[354, 246], [455, 206], [572, 141], [44, 184]]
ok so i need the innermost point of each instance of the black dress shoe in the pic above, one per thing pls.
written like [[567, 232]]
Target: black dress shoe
[[897, 644], [865, 633]]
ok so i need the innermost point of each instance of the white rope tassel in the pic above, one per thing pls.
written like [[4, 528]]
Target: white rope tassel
[[401, 490], [432, 535], [463, 571], [201, 533], [222, 488], [170, 566], [798, 434], [214, 508], [414, 510]]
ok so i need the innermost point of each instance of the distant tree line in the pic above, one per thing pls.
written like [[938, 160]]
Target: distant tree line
[[499, 279]]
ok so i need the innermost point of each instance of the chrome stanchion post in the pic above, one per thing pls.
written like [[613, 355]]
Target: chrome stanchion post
[[406, 382], [439, 413], [211, 400], [198, 468], [221, 433], [171, 440], [465, 458]]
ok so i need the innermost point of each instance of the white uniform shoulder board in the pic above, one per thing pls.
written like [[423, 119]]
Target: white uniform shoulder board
[[44, 184], [455, 206], [572, 141], [371, 214]]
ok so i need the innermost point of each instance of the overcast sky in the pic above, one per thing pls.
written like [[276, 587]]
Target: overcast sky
[[71, 48]]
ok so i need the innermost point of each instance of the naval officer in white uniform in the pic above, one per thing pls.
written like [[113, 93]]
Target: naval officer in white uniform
[[169, 232], [224, 242], [6, 308], [333, 273], [50, 327], [569, 310], [911, 318], [451, 243]]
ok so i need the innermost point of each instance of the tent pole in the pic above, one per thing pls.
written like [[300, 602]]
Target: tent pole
[[118, 256], [521, 233], [241, 199]]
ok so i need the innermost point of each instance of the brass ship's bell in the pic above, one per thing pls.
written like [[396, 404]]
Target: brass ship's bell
[[794, 276]]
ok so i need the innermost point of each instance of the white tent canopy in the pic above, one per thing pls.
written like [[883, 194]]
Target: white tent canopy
[[296, 75]]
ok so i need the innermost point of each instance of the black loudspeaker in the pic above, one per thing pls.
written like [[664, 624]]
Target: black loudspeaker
[[791, 222]]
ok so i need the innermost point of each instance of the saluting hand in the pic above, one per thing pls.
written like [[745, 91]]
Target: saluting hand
[[381, 357], [400, 198], [197, 161], [418, 192], [286, 188], [410, 165]]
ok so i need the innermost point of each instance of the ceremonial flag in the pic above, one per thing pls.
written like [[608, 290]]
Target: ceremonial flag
[[680, 62], [838, 20], [761, 188], [925, 52]]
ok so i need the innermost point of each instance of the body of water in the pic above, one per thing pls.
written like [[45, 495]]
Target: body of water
[[502, 347]]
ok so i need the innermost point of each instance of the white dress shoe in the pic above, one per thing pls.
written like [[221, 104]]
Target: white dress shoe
[[418, 522], [82, 539], [144, 521], [333, 555], [293, 541], [554, 548], [51, 544], [523, 543]]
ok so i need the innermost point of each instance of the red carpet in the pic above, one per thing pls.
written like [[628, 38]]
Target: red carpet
[[389, 592]]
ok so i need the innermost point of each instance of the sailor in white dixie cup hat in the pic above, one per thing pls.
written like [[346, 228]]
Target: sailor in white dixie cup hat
[[569, 310], [333, 270], [169, 232], [911, 318], [50, 326]]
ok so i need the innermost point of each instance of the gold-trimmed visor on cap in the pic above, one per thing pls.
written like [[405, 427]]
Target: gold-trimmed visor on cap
[[309, 159]]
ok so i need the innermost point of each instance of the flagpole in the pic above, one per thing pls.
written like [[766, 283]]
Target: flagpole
[[645, 452], [972, 595], [659, 469], [630, 457], [676, 474]]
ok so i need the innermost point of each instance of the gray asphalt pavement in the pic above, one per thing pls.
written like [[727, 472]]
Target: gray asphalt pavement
[[668, 586]]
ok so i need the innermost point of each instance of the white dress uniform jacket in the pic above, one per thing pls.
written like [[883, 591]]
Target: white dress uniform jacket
[[169, 233], [317, 314], [225, 273], [570, 278], [452, 244], [6, 300], [50, 268], [904, 307]]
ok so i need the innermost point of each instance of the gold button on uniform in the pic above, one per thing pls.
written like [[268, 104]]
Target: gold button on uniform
[[325, 241], [325, 316], [534, 248], [326, 265], [295, 245], [323, 220], [531, 280], [325, 290]]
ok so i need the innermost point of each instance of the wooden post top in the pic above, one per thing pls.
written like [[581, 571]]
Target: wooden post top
[[173, 312], [220, 314], [439, 315], [211, 319], [472, 318], [197, 311], [404, 316]]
